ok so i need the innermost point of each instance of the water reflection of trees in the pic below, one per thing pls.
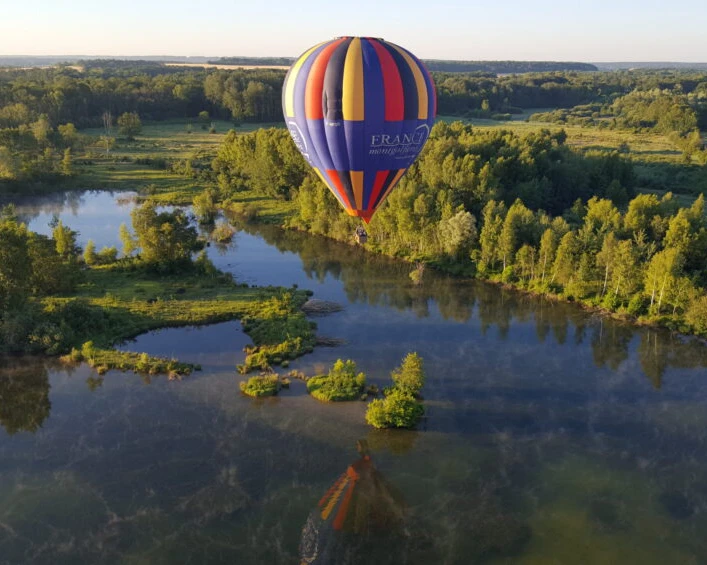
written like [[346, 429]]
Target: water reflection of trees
[[58, 203], [382, 281], [24, 395]]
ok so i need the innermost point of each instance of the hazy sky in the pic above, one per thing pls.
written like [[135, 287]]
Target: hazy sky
[[601, 30]]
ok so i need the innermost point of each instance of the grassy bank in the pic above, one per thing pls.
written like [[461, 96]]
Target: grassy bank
[[123, 301]]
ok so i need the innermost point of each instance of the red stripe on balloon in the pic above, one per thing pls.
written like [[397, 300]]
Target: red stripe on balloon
[[377, 187], [392, 84], [313, 109], [336, 181]]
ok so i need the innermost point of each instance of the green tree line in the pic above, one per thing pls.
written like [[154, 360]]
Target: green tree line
[[527, 211]]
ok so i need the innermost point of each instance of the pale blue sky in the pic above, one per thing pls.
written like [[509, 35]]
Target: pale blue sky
[[602, 30]]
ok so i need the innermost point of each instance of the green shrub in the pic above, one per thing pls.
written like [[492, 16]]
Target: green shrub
[[638, 305], [261, 385], [410, 376], [398, 409], [107, 255], [342, 383], [696, 315]]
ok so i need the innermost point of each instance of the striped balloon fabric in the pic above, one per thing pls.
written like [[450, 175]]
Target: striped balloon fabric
[[360, 110]]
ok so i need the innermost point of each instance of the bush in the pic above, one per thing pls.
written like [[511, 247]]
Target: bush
[[342, 383], [262, 385], [696, 315], [398, 409], [638, 305], [107, 255]]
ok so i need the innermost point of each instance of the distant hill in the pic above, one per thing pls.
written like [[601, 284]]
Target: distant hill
[[46, 61], [650, 65], [254, 61], [506, 67], [450, 66], [497, 67]]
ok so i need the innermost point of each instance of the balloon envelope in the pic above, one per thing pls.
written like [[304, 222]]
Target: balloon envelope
[[359, 110]]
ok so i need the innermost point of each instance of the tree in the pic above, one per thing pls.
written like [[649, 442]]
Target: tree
[[457, 234], [607, 257], [67, 167], [680, 234], [129, 125], [204, 206], [565, 259], [165, 239], [9, 166], [517, 230], [89, 253], [410, 375], [546, 255], [65, 241], [696, 315], [69, 135], [41, 130], [15, 265], [127, 239], [525, 261], [624, 276], [493, 215], [661, 274], [107, 142], [398, 409]]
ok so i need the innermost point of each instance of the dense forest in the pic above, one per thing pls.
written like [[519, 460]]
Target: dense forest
[[527, 211], [42, 109]]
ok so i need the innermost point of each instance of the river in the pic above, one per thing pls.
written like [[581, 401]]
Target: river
[[552, 435]]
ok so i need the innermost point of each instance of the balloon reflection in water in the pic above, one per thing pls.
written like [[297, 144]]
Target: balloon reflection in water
[[358, 509]]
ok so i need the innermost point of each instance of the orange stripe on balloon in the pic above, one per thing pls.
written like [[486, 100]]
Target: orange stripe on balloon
[[332, 490], [292, 79], [315, 82], [392, 84], [357, 185], [336, 181], [334, 499], [338, 523]]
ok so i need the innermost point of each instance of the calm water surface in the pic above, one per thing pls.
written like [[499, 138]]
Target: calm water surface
[[553, 436]]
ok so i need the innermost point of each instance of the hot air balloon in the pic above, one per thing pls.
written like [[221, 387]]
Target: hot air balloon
[[359, 109]]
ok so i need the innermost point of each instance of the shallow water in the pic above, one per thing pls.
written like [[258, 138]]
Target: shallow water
[[552, 435]]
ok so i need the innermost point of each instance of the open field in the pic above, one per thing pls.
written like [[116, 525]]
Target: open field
[[641, 146], [227, 67], [162, 143]]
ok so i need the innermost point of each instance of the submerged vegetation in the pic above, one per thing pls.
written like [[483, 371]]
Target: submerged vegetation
[[261, 385], [104, 360], [400, 408], [341, 383]]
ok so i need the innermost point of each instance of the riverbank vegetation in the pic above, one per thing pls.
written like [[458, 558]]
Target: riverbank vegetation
[[527, 211], [52, 302]]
